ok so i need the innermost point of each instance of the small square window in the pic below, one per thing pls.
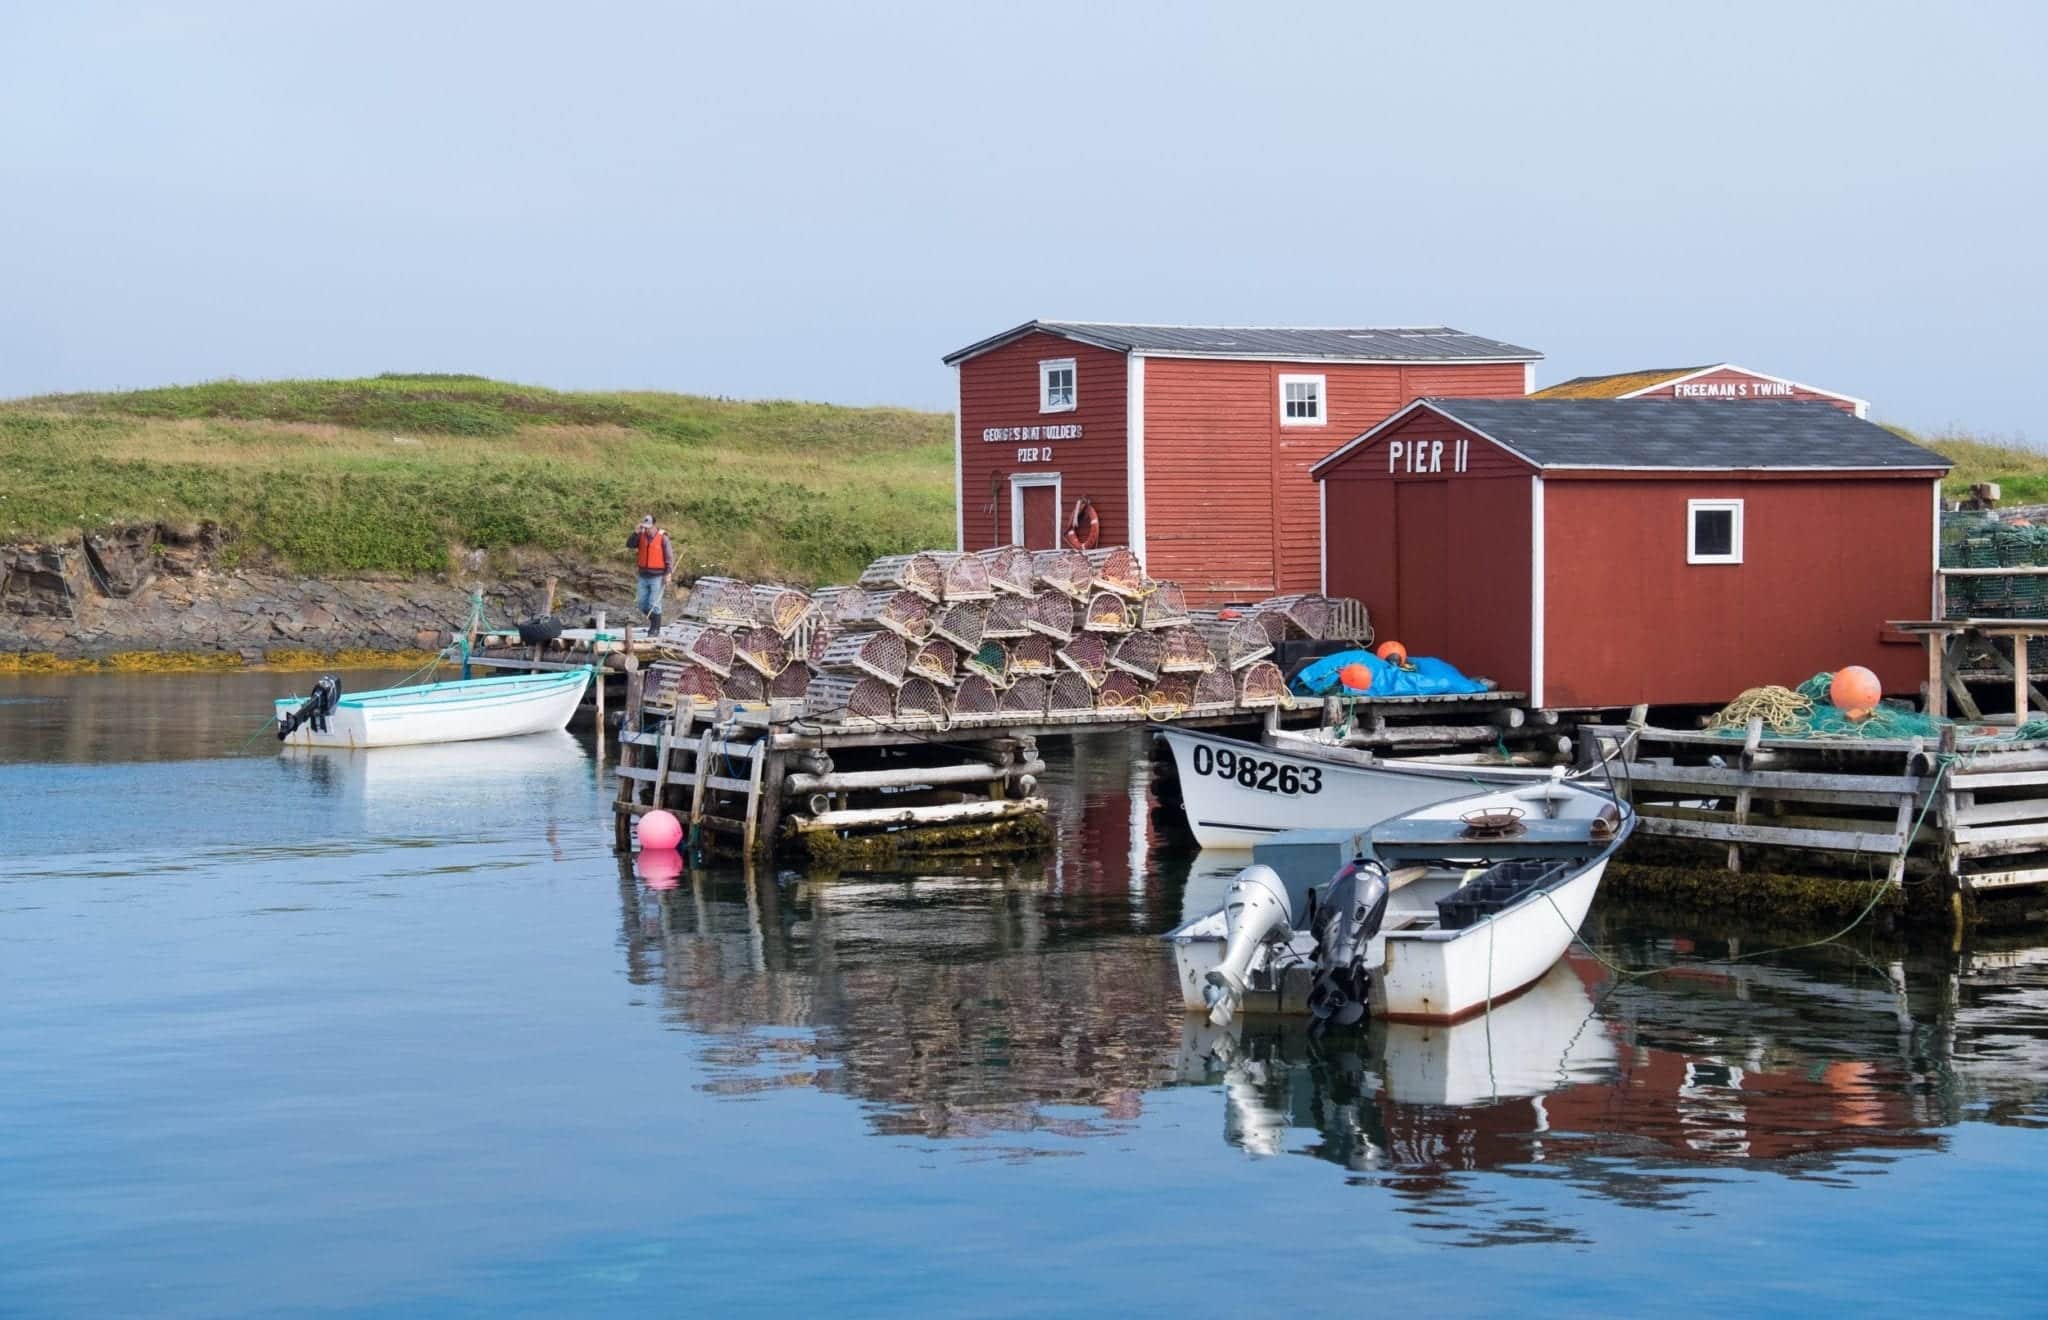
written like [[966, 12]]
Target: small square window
[[1056, 385], [1713, 532], [1301, 401]]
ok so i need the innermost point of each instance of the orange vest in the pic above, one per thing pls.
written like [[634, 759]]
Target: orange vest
[[651, 558]]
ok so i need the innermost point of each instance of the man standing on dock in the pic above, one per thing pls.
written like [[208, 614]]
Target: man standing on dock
[[657, 560]]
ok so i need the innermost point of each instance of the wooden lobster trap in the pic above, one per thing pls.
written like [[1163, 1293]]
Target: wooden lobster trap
[[1185, 651], [904, 613], [1009, 571], [920, 574], [1138, 653], [1165, 606], [1307, 615], [1032, 655], [744, 684], [1007, 617], [722, 602], [839, 606], [1069, 694], [792, 683], [1066, 571], [1026, 696], [780, 608], [1122, 693], [705, 645], [1116, 569], [850, 699], [1169, 697], [762, 650], [1214, 691], [991, 660], [921, 702], [965, 577], [1088, 656], [678, 685], [1106, 613], [934, 662], [964, 624], [1260, 683], [882, 655], [1236, 641], [976, 698], [1052, 615]]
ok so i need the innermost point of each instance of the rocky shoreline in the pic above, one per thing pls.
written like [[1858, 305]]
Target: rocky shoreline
[[174, 591]]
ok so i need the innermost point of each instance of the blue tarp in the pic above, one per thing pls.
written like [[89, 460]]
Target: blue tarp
[[1424, 676]]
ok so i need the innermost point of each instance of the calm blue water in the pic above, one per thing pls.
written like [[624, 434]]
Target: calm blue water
[[395, 1033]]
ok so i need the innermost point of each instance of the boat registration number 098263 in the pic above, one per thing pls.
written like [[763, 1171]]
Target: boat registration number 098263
[[1256, 772]]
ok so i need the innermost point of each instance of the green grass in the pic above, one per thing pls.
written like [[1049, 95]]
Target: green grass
[[393, 473], [2021, 473]]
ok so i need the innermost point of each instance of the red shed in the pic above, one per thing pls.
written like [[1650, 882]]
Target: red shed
[[1192, 443], [1717, 382], [1615, 551]]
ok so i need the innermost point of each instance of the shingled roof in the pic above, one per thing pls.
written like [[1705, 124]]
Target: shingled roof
[[1427, 343], [1652, 433]]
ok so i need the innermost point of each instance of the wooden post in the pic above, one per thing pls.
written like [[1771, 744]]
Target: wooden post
[[771, 796], [1937, 689], [2019, 679], [668, 729], [703, 775], [752, 818]]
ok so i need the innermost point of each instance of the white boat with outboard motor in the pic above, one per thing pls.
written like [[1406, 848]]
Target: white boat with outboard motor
[[1237, 793], [1432, 916], [463, 710]]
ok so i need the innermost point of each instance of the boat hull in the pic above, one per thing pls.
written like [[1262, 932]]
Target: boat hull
[[467, 711], [1427, 976], [1289, 790], [1447, 976]]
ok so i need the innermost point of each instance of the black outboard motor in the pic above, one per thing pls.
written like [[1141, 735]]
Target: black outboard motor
[[1346, 914], [318, 706]]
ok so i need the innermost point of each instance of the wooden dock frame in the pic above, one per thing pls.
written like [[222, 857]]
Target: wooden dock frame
[[1970, 814]]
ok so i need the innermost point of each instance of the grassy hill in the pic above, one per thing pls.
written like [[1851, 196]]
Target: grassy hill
[[392, 473], [2021, 473]]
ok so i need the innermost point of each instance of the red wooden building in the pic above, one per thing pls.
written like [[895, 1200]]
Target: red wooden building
[[1715, 382], [1615, 551], [1193, 444]]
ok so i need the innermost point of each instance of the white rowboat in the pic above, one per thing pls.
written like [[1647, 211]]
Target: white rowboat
[[1237, 793], [1470, 918], [462, 711]]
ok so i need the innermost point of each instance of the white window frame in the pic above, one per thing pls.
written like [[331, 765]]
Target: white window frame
[[1693, 509], [1322, 384], [1018, 481], [1045, 370]]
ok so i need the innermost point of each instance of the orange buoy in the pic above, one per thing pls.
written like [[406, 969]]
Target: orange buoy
[[1393, 653], [1855, 688], [1356, 676]]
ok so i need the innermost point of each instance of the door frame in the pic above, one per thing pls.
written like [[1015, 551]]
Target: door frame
[[1018, 481]]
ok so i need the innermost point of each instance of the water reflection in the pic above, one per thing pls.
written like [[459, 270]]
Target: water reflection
[[1035, 998]]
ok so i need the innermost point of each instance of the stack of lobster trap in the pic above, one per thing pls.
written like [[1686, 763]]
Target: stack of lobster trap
[[939, 638]]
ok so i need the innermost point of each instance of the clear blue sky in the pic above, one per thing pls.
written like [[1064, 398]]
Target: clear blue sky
[[817, 202]]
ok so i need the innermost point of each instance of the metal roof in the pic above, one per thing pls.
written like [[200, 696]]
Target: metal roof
[[1657, 434], [1422, 343]]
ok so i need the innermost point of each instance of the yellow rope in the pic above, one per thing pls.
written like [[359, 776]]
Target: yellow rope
[[1783, 711]]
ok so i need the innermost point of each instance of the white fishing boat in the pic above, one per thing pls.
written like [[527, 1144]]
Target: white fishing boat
[[1441, 913], [464, 710], [1237, 793]]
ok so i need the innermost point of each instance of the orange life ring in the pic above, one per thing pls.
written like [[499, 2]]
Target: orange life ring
[[1084, 529]]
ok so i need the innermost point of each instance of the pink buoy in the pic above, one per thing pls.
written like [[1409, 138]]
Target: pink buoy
[[658, 867], [660, 830]]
